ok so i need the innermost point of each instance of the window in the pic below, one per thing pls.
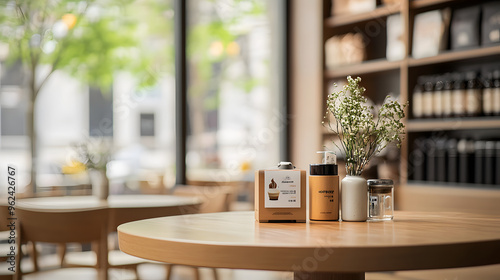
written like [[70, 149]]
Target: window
[[125, 97], [234, 91], [107, 79]]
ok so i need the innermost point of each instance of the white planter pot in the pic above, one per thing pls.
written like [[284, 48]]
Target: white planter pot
[[100, 183], [354, 199]]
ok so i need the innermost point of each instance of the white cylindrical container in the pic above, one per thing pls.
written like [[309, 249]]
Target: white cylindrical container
[[354, 199], [100, 183]]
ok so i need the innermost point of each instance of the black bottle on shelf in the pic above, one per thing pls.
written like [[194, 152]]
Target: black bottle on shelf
[[447, 95], [465, 150], [417, 103], [496, 92], [479, 152], [489, 163], [441, 160], [427, 96], [452, 160], [438, 104], [417, 160], [487, 94], [473, 95], [430, 159], [497, 163], [458, 95]]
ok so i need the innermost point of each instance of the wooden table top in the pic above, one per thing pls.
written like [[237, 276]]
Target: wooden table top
[[113, 201], [123, 208], [235, 240]]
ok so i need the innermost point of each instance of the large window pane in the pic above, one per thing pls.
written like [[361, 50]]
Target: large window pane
[[113, 86], [233, 88]]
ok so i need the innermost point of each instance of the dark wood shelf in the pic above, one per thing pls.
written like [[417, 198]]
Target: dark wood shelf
[[452, 56], [453, 124], [382, 11], [419, 4], [468, 186], [366, 67]]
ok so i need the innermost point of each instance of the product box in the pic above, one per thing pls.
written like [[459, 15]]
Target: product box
[[491, 23], [395, 49], [465, 27], [280, 194], [430, 32], [341, 7]]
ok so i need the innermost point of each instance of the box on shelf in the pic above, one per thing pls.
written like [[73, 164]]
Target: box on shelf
[[340, 7], [344, 49], [491, 23], [430, 33], [465, 27], [395, 43]]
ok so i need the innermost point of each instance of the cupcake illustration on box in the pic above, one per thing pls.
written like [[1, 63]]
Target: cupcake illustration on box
[[273, 191]]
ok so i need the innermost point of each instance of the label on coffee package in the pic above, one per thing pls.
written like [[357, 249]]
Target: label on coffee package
[[282, 189]]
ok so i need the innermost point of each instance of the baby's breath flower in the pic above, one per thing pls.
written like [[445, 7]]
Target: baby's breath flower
[[362, 133]]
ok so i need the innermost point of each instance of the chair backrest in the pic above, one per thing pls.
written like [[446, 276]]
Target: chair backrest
[[215, 198], [4, 215], [64, 226]]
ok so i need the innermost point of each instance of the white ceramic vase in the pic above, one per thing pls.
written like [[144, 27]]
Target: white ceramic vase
[[354, 199], [100, 183]]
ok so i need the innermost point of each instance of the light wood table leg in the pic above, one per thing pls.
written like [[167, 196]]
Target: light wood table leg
[[328, 276]]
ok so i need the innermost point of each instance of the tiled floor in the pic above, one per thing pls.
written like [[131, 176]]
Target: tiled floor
[[158, 272]]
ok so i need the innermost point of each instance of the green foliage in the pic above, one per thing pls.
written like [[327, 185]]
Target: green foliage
[[91, 40], [222, 29], [363, 134]]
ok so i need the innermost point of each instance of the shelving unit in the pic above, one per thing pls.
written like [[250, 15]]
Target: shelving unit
[[418, 4], [379, 75], [453, 124], [367, 67], [454, 56], [379, 12]]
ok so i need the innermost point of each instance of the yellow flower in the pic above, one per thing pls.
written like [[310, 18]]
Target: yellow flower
[[74, 167], [245, 166]]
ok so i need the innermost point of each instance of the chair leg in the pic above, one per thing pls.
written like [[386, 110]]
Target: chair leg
[[34, 253], [136, 272], [61, 252], [196, 273], [214, 270], [169, 267]]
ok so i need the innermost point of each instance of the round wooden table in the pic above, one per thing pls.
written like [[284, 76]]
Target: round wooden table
[[317, 250], [123, 208]]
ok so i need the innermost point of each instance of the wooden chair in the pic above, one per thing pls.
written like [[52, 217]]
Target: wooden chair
[[65, 226], [116, 258], [215, 198], [5, 274]]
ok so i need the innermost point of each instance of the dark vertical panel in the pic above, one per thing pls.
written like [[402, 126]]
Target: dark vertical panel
[[180, 23], [147, 124], [284, 81], [13, 116], [100, 113]]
